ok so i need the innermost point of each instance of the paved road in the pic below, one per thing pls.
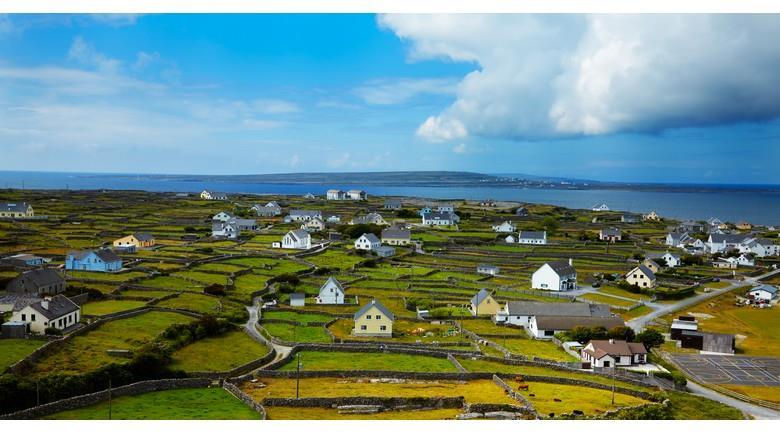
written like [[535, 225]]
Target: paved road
[[757, 412], [254, 316], [659, 310]]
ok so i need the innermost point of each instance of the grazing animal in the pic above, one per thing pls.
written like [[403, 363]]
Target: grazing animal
[[523, 386], [557, 399]]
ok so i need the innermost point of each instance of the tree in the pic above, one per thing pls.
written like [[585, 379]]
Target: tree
[[650, 338], [406, 213], [622, 333], [550, 224]]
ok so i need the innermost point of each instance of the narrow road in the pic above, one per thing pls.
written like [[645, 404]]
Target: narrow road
[[254, 316], [757, 412], [659, 310]]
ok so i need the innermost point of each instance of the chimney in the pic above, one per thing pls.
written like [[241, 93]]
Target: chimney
[[45, 303], [571, 262]]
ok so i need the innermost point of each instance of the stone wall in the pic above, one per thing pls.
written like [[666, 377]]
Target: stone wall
[[240, 370], [97, 397], [516, 395], [387, 403], [245, 398]]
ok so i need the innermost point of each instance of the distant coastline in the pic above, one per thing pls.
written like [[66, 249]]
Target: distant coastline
[[759, 204]]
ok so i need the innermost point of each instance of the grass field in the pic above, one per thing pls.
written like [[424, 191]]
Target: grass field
[[370, 361], [690, 407], [100, 308], [87, 352], [297, 317], [548, 398], [175, 404], [406, 331], [300, 334], [317, 413], [487, 327], [766, 393], [609, 300], [193, 302], [474, 391], [534, 348], [105, 276], [13, 350], [221, 353]]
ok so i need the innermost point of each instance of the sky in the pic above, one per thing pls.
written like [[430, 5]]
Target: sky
[[603, 97]]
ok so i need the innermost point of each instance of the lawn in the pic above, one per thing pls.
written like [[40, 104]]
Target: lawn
[[100, 308], [688, 406], [202, 277], [548, 398], [334, 259], [613, 290], [296, 316], [766, 393], [370, 361], [609, 300], [534, 348], [318, 413], [405, 331], [105, 276], [487, 327], [87, 352], [14, 350], [170, 283], [175, 404], [221, 353], [636, 312], [474, 391], [299, 334], [192, 302]]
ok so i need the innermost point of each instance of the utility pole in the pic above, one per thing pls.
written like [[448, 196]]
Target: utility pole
[[38, 393], [298, 377], [109, 399], [613, 385]]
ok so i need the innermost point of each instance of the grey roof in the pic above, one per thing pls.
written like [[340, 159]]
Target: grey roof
[[396, 233], [653, 262], [611, 231], [144, 237], [480, 296], [393, 201], [371, 237], [42, 277], [13, 207], [378, 305], [532, 308], [58, 306], [562, 267], [439, 215], [299, 234], [565, 323], [532, 235], [729, 238], [333, 280], [487, 267], [645, 270], [304, 212], [104, 254], [766, 287], [297, 296]]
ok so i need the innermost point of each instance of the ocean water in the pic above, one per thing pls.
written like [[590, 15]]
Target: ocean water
[[756, 207]]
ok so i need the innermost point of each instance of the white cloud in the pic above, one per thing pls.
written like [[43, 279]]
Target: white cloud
[[442, 128], [459, 148], [390, 92], [87, 55], [295, 160], [144, 59], [77, 81], [551, 75], [274, 106], [339, 161]]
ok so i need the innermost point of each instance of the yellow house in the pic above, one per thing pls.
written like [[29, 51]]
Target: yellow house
[[16, 210], [137, 240], [641, 276], [483, 304], [652, 216], [652, 265], [374, 320]]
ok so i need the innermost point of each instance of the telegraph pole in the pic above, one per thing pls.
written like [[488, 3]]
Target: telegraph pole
[[109, 399], [613, 385], [298, 377], [38, 393]]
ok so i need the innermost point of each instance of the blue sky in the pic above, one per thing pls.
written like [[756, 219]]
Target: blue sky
[[604, 98]]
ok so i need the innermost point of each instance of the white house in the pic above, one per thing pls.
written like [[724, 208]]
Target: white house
[[742, 260], [672, 260], [57, 312], [297, 299], [763, 293], [303, 215], [613, 353], [225, 229], [332, 292], [211, 195], [271, 208], [505, 227], [446, 207], [641, 276], [440, 218], [557, 276], [356, 194], [370, 218], [222, 216], [313, 225], [397, 236], [677, 240], [610, 234], [334, 194], [520, 313], [602, 207], [368, 242], [723, 242], [759, 247], [297, 239], [532, 238], [487, 269]]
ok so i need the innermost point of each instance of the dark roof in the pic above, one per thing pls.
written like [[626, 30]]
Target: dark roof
[[299, 234], [104, 254], [532, 235], [729, 238], [396, 233], [58, 307], [766, 287], [565, 323], [42, 277], [144, 237], [297, 296], [379, 306], [615, 348], [13, 207], [610, 231], [645, 270], [532, 308], [371, 237], [335, 282], [562, 267]]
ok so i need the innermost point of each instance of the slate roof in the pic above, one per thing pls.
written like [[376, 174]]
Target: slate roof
[[610, 232], [562, 267], [371, 237], [299, 234], [13, 207], [765, 287], [718, 238], [645, 270], [480, 296], [104, 254], [376, 304], [565, 323], [532, 308], [42, 277], [334, 281], [303, 212], [297, 296], [532, 235], [58, 306], [396, 233], [144, 237]]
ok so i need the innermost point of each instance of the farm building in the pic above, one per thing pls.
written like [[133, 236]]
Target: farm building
[[37, 282]]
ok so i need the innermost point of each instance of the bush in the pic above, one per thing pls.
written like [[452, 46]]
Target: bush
[[406, 213], [214, 289], [357, 230], [52, 331], [650, 338]]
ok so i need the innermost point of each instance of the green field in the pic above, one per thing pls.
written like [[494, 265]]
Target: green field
[[299, 334], [534, 348], [370, 361], [14, 350], [175, 404], [100, 308], [221, 353]]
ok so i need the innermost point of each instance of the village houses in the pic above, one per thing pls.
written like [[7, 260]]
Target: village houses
[[532, 238], [483, 304], [373, 320], [505, 227], [613, 353], [641, 276], [487, 269], [57, 312], [368, 242], [211, 195], [396, 236], [556, 276], [103, 260], [16, 210], [37, 282], [297, 239], [135, 241], [611, 235], [331, 292], [370, 218]]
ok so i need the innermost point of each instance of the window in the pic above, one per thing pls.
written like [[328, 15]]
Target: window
[[548, 333], [362, 327], [368, 316], [383, 328], [378, 317], [32, 317], [24, 318]]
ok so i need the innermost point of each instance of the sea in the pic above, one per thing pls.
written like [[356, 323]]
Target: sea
[[757, 207]]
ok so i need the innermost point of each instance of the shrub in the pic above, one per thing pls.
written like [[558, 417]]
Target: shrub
[[52, 331], [406, 213], [214, 289], [650, 338]]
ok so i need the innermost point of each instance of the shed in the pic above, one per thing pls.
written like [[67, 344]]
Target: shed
[[14, 329], [297, 299]]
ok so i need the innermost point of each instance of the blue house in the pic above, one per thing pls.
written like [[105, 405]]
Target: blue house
[[425, 210], [96, 261]]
